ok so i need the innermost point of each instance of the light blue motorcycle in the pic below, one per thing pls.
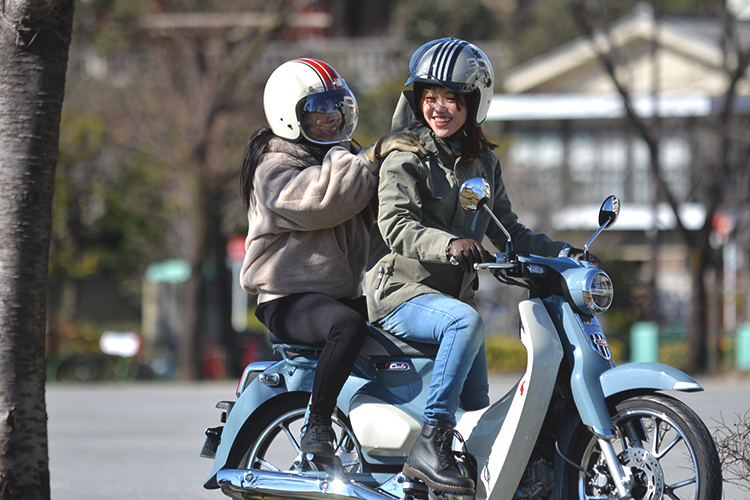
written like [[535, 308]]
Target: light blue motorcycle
[[575, 426]]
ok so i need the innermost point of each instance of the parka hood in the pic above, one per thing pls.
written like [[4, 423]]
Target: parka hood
[[404, 116]]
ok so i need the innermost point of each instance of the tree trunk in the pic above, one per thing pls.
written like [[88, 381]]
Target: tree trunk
[[34, 41], [697, 327], [216, 245]]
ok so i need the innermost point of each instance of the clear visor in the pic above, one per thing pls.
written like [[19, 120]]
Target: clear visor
[[328, 117]]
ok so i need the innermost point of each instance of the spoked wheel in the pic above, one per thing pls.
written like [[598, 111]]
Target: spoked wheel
[[663, 442], [273, 443]]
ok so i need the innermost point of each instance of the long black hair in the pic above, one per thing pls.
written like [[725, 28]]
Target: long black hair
[[303, 154]]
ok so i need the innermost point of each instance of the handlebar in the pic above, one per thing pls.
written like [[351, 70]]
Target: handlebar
[[495, 265], [501, 262]]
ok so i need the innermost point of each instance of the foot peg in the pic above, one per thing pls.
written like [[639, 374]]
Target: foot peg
[[415, 490]]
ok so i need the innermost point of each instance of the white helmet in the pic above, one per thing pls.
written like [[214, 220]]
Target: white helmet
[[300, 87], [460, 67]]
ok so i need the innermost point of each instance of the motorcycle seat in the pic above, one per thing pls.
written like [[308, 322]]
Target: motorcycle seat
[[380, 343]]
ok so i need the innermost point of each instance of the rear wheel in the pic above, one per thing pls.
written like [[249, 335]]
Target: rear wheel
[[273, 442], [663, 442]]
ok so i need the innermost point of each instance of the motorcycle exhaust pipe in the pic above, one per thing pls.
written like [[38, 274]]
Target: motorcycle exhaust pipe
[[256, 484]]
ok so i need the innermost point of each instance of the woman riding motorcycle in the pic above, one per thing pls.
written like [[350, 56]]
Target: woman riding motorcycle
[[308, 193], [412, 289]]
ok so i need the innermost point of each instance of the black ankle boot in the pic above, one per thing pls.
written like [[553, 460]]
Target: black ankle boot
[[432, 461], [319, 440]]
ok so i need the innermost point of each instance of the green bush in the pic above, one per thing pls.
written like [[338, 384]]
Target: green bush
[[674, 353], [506, 353]]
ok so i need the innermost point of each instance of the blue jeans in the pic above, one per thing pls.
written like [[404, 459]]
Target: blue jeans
[[438, 319]]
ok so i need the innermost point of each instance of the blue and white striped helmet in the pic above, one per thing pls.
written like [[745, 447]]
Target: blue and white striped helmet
[[459, 66]]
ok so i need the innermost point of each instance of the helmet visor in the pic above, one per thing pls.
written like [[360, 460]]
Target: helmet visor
[[328, 117]]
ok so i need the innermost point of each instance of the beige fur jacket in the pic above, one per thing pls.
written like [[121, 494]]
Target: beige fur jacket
[[309, 228]]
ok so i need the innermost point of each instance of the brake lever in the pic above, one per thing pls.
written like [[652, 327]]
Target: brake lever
[[502, 261]]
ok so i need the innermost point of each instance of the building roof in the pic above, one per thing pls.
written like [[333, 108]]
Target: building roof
[[690, 57], [633, 217], [534, 107]]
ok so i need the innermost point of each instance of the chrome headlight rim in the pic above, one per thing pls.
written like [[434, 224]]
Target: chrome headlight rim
[[593, 293], [598, 292]]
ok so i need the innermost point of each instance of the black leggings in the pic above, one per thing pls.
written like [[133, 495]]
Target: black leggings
[[339, 326]]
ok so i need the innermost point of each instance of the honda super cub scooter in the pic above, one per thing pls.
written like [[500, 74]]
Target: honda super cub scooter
[[575, 426]]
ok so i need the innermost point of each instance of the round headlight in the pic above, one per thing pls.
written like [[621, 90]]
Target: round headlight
[[597, 292]]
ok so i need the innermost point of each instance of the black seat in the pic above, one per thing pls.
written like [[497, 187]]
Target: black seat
[[381, 343]]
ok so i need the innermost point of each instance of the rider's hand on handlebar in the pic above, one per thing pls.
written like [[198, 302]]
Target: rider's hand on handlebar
[[577, 253], [467, 252]]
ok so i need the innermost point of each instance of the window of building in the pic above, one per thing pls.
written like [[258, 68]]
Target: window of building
[[600, 163], [543, 155], [674, 159]]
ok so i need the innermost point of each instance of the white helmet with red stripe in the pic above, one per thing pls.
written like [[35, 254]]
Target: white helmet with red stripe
[[460, 67], [307, 98]]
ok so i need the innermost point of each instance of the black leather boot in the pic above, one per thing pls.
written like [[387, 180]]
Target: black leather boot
[[319, 440], [432, 461]]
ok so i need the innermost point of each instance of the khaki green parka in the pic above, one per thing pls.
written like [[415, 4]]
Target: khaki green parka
[[419, 214]]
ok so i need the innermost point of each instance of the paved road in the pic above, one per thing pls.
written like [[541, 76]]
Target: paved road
[[140, 441]]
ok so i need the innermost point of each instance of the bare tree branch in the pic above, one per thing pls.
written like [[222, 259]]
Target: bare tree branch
[[733, 446], [606, 53]]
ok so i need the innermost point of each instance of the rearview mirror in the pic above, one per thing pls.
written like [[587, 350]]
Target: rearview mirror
[[609, 212], [474, 193]]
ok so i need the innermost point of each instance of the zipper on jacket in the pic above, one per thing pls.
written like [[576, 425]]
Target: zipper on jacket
[[381, 273]]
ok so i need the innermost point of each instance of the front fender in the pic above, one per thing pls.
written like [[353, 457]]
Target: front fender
[[633, 376], [623, 378]]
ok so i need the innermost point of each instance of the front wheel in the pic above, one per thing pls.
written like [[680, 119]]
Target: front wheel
[[663, 442]]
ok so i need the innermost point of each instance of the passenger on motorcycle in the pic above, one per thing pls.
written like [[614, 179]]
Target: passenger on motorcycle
[[412, 289], [309, 196]]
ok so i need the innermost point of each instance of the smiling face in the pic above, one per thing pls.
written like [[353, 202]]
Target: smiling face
[[322, 127], [327, 117], [444, 111]]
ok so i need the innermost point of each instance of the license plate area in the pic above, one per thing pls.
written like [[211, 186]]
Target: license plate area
[[211, 444]]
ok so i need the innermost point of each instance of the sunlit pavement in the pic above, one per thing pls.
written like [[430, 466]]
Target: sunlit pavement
[[142, 440]]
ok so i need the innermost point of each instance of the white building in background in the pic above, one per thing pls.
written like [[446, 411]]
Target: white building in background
[[570, 142]]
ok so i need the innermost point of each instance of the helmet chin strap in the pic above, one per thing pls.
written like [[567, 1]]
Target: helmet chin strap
[[460, 133], [456, 141]]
